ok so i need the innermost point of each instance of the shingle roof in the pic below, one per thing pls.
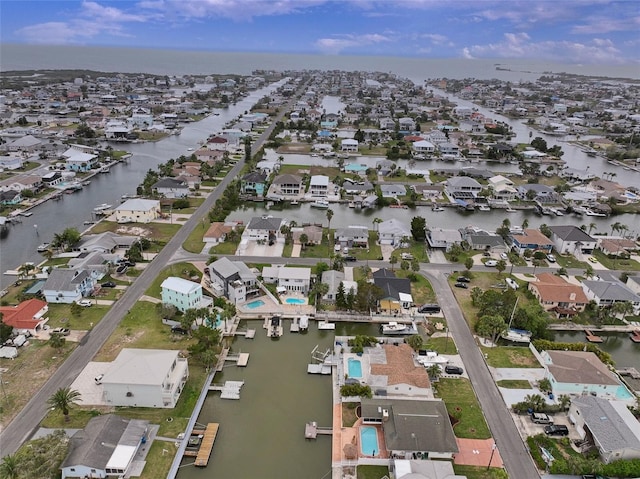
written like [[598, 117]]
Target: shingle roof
[[264, 223], [579, 367], [611, 291], [571, 233]]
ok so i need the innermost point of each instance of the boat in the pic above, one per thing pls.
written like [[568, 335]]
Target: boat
[[102, 209], [352, 204], [590, 212], [431, 358], [26, 213], [321, 204], [484, 208], [86, 182], [591, 153], [510, 210], [394, 328], [43, 247], [516, 335], [325, 325], [635, 336], [437, 208], [89, 223], [404, 207], [304, 323], [294, 202]]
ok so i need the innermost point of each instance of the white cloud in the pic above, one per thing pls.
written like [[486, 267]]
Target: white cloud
[[519, 45], [239, 10], [606, 25], [51, 32], [338, 43]]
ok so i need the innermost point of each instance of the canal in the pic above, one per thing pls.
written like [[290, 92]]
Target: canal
[[624, 352]]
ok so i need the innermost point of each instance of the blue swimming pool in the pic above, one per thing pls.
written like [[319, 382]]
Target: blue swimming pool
[[255, 304], [294, 301], [355, 368], [369, 441]]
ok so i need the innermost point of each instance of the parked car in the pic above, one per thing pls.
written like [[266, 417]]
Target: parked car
[[504, 256], [98, 379], [61, 331], [122, 269], [350, 259], [551, 258], [511, 283], [429, 309], [492, 263], [86, 303], [463, 279], [178, 330], [450, 369], [540, 418], [592, 259], [461, 285], [407, 256], [486, 254], [108, 284], [556, 430]]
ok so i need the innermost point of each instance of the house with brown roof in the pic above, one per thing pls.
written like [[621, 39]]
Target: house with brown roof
[[557, 295], [616, 246], [28, 315], [531, 239], [217, 233]]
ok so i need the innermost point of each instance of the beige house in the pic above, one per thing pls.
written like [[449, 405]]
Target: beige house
[[557, 295], [137, 211]]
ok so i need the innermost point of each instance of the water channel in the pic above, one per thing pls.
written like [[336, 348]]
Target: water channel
[[624, 352]]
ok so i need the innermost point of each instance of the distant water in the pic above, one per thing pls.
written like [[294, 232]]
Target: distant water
[[182, 62]]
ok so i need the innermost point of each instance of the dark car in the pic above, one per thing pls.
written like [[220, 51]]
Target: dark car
[[108, 284], [450, 369], [463, 279], [178, 330], [350, 259], [429, 309], [461, 285], [122, 269], [556, 430]]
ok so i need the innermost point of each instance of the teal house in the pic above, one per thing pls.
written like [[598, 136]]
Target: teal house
[[253, 183]]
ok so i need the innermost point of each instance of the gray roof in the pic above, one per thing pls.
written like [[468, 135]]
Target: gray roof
[[571, 233], [393, 189], [485, 240], [224, 267], [265, 223], [579, 367], [333, 279], [255, 177], [62, 279], [394, 226], [352, 233], [612, 428], [611, 291], [94, 445], [105, 241], [287, 179], [538, 188], [392, 287], [170, 183], [463, 181], [413, 425]]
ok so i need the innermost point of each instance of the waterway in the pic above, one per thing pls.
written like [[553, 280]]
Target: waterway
[[624, 352], [262, 433]]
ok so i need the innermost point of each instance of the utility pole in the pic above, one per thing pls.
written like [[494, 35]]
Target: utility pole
[[493, 450]]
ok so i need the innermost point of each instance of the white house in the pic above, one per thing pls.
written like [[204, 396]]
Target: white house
[[607, 293], [145, 378], [10, 162], [502, 188], [441, 238], [319, 186], [349, 145], [393, 191], [67, 285], [424, 146], [172, 187], [137, 210], [571, 239], [296, 280], [462, 187], [392, 231], [233, 280], [265, 228], [182, 293]]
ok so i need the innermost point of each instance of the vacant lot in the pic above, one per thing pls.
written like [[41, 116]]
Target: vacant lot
[[463, 407], [510, 357]]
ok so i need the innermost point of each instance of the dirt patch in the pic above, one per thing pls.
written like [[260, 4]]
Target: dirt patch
[[133, 231], [519, 360], [113, 347]]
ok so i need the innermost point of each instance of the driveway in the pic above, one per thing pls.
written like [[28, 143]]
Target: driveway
[[85, 384]]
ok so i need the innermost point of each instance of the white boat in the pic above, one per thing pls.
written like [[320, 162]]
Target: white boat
[[394, 328], [589, 212], [304, 323], [26, 213], [484, 208], [294, 202], [42, 248], [510, 210], [517, 335], [431, 358], [104, 208], [321, 204], [325, 325], [437, 208]]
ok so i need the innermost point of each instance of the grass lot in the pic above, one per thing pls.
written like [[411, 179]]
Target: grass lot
[[510, 357], [194, 203], [60, 315], [417, 249], [514, 384], [570, 261], [194, 243], [609, 263], [477, 472], [228, 247], [421, 289], [349, 417], [372, 472], [56, 262], [288, 248], [182, 270], [318, 251], [462, 405], [441, 345], [374, 252], [161, 232]]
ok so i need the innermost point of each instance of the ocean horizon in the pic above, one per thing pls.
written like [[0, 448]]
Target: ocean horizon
[[20, 57]]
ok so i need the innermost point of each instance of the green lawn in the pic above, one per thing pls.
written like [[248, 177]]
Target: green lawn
[[417, 249], [373, 472], [228, 247], [60, 315], [463, 406], [373, 252], [182, 270], [194, 243], [610, 263], [514, 384], [323, 250], [161, 232], [510, 357], [421, 289], [569, 261], [480, 472], [441, 345]]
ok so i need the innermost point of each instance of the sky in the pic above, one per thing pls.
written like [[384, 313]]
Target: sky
[[568, 31]]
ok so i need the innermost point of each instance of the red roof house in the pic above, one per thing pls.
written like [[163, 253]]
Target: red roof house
[[27, 315]]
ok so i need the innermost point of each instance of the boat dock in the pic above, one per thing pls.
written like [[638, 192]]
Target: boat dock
[[295, 325], [635, 336], [592, 338], [228, 390], [240, 359], [631, 372], [208, 438], [273, 326], [312, 430]]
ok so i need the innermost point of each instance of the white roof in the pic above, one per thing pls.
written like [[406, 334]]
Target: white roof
[[182, 286], [140, 366], [121, 457], [138, 204], [424, 144], [79, 157], [320, 180], [350, 141], [405, 298]]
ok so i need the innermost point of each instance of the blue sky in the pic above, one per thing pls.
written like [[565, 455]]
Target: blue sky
[[575, 31]]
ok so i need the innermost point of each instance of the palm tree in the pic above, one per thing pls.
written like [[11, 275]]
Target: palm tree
[[525, 223], [329, 216], [615, 227], [393, 260], [64, 399], [57, 341], [10, 467], [376, 222], [592, 226], [25, 269]]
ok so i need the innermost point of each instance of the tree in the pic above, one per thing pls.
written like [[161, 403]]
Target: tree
[[592, 226], [64, 399], [319, 290], [564, 401], [476, 295], [376, 222], [393, 261], [468, 264], [25, 269], [545, 230], [434, 371], [615, 227], [76, 310], [57, 341], [208, 339], [341, 297], [620, 309], [329, 216], [490, 326], [545, 385], [535, 402], [10, 467], [501, 265], [415, 341], [304, 239], [418, 228], [588, 271]]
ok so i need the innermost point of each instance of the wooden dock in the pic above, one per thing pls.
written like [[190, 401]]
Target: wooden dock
[[312, 430], [592, 338], [204, 452]]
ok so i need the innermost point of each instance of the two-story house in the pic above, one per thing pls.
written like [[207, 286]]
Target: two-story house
[[67, 285], [557, 295], [171, 187], [182, 294], [253, 183], [462, 187], [295, 280], [233, 280], [530, 239], [571, 239], [352, 236], [392, 232]]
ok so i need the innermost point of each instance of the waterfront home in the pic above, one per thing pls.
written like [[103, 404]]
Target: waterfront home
[[217, 233], [502, 188], [141, 118], [424, 146], [21, 183], [462, 187], [393, 191], [557, 295], [530, 239], [412, 428], [232, 279], [263, 228], [68, 285], [287, 185], [28, 315], [253, 183], [107, 242], [171, 187], [10, 163], [137, 210], [612, 246], [319, 186], [353, 187], [78, 161], [443, 238], [183, 294], [50, 180], [209, 156], [145, 378], [117, 130], [106, 447], [10, 198], [396, 292], [447, 148], [607, 425], [217, 143], [607, 293], [349, 145], [296, 280], [429, 192], [571, 239], [313, 232], [332, 279], [25, 144], [437, 137], [480, 240], [352, 237], [393, 232], [579, 373], [537, 192]]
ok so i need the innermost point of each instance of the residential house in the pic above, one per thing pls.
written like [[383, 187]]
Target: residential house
[[319, 186], [406, 124], [349, 145], [412, 427], [607, 293], [50, 180], [535, 192], [437, 137], [28, 315], [265, 228], [314, 234], [25, 144], [462, 187], [287, 185], [217, 233], [106, 447], [616, 246], [233, 280], [171, 187], [106, 242], [447, 148], [571, 239], [22, 183], [393, 191], [502, 188], [396, 292], [392, 232], [443, 239], [429, 192], [633, 283], [424, 146], [352, 237], [296, 280], [387, 123], [67, 285], [253, 184], [10, 163], [333, 279], [217, 143], [78, 161], [532, 240], [581, 373], [352, 187], [557, 295], [137, 210], [117, 130], [145, 378], [10, 198], [183, 294], [607, 425], [421, 468], [480, 240]]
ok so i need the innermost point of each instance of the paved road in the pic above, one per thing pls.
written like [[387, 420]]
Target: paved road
[[27, 421], [515, 456]]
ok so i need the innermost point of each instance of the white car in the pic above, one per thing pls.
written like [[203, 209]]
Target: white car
[[551, 258], [511, 283], [504, 256], [85, 303], [492, 263]]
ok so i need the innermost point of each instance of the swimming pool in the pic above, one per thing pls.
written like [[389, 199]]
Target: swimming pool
[[369, 441], [255, 304], [294, 301], [355, 368]]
